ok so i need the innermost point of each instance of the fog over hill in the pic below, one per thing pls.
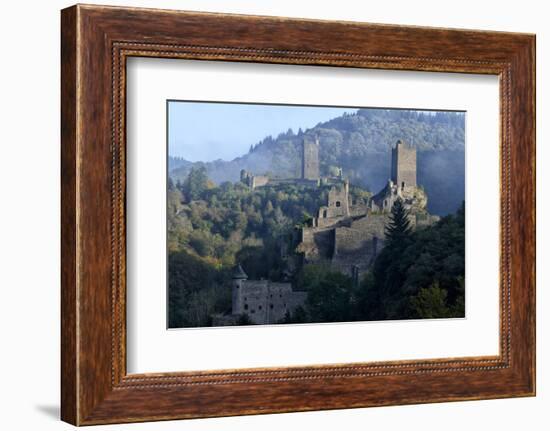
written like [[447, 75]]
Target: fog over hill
[[361, 145]]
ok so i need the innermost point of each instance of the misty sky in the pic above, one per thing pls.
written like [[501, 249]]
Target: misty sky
[[200, 131]]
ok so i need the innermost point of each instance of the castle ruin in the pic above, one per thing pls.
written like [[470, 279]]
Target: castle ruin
[[345, 235], [310, 175], [348, 236]]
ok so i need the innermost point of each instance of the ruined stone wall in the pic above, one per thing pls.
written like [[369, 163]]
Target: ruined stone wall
[[252, 180], [358, 244], [310, 159], [328, 219], [259, 181], [338, 200], [316, 244], [358, 210], [372, 224], [414, 198], [293, 181], [349, 241], [337, 206], [383, 201]]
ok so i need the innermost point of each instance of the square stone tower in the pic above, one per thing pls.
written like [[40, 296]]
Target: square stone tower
[[310, 159], [403, 165]]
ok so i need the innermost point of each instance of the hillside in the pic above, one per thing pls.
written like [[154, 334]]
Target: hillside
[[360, 143]]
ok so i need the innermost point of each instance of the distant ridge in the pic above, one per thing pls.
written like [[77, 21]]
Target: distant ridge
[[360, 144]]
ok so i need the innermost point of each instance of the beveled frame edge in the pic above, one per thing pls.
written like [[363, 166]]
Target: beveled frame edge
[[96, 41]]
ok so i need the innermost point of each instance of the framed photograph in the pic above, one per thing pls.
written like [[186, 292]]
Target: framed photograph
[[263, 214]]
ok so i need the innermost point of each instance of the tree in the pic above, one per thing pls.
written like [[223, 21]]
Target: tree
[[196, 290], [398, 230], [419, 274], [268, 207], [429, 303], [329, 297], [196, 183]]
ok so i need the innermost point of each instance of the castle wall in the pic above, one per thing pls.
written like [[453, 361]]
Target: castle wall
[[358, 210], [259, 181], [317, 244], [350, 241], [254, 181], [372, 224], [329, 220], [356, 246], [293, 181]]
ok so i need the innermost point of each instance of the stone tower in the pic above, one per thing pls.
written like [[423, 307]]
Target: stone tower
[[310, 159], [239, 277], [403, 165]]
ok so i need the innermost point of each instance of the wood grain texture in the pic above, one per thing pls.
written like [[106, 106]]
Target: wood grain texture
[[96, 41], [69, 397]]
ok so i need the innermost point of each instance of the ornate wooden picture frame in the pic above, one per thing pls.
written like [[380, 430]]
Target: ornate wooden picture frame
[[96, 41]]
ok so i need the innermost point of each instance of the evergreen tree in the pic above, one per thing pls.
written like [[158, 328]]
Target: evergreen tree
[[399, 227]]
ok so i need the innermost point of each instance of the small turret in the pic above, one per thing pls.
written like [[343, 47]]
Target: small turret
[[239, 274], [239, 278]]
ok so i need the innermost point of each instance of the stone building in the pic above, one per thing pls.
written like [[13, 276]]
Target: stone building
[[263, 301]]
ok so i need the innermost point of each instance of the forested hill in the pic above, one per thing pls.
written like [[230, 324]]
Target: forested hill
[[360, 144]]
